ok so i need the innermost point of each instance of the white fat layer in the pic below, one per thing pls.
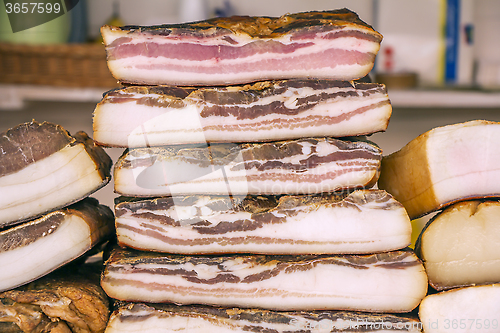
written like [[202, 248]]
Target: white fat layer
[[124, 69], [477, 307], [325, 286], [26, 263], [460, 247], [463, 161], [324, 229], [132, 125], [51, 182]]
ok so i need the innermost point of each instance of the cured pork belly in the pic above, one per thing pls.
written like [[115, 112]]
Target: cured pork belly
[[146, 318], [365, 221], [462, 310], [34, 248], [43, 167], [142, 116], [386, 282], [285, 167], [68, 300], [444, 165], [331, 44], [459, 246]]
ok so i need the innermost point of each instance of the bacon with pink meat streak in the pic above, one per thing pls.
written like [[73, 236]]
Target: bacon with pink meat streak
[[330, 44], [386, 282], [141, 116], [364, 221], [302, 166]]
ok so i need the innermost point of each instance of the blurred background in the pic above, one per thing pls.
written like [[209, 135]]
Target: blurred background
[[440, 59]]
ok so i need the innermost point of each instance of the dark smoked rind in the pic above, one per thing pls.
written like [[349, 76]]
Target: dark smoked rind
[[71, 295], [226, 101], [98, 154], [100, 219], [288, 263], [262, 27], [30, 142]]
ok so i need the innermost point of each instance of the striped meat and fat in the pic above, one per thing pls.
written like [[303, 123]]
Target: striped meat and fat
[[365, 221], [385, 282], [330, 44], [302, 166], [141, 116]]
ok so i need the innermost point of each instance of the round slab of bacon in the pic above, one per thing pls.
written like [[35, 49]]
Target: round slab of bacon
[[331, 44], [444, 165], [43, 167], [142, 116], [302, 166], [34, 248], [146, 318], [385, 282], [365, 221]]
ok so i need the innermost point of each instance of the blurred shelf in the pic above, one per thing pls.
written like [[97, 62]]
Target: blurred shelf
[[12, 97], [439, 98]]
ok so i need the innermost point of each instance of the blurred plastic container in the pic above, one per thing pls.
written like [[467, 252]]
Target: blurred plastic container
[[55, 31], [431, 38]]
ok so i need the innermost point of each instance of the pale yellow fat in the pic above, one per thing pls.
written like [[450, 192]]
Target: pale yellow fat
[[460, 246]]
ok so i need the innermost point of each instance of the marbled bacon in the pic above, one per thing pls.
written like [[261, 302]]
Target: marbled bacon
[[365, 221], [141, 116], [300, 166], [141, 317], [387, 282], [331, 44]]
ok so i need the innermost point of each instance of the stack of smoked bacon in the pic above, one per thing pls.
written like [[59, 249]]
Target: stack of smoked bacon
[[247, 199]]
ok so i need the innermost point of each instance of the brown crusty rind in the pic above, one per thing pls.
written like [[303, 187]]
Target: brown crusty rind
[[288, 263], [70, 297], [99, 218], [259, 26]]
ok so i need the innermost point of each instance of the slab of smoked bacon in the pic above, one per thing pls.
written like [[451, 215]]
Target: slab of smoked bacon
[[303, 166], [141, 116], [331, 44]]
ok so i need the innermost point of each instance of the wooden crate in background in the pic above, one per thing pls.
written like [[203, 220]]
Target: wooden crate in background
[[68, 65]]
